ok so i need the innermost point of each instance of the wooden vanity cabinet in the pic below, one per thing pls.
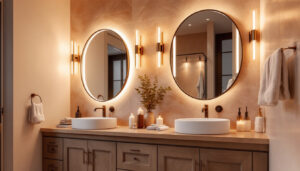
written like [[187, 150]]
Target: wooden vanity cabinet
[[225, 160], [77, 152], [171, 158], [89, 155]]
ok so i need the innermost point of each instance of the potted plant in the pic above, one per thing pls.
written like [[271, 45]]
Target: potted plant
[[151, 94]]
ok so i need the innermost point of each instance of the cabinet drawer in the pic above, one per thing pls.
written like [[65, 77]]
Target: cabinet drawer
[[52, 165], [53, 148], [137, 157]]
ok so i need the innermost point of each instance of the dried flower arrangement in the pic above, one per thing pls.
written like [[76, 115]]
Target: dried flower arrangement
[[150, 92]]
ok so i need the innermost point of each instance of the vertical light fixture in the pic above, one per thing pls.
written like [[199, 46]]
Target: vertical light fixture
[[138, 50], [237, 50], [75, 57], [174, 56], [253, 35], [159, 47]]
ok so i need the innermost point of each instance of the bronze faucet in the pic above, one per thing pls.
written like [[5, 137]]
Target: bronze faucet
[[205, 110], [103, 110]]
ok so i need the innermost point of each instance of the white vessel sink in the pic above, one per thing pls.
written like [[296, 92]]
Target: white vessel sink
[[94, 123], [202, 126]]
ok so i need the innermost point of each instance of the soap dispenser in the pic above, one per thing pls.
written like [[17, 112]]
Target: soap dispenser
[[78, 114], [247, 121], [259, 122]]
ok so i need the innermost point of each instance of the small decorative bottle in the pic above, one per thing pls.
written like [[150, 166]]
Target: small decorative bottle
[[140, 118], [78, 114], [131, 121]]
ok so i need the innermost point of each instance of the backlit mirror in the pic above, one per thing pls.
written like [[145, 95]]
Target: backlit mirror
[[206, 54], [105, 63]]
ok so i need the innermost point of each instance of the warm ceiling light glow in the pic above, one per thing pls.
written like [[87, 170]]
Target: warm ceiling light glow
[[237, 50], [174, 56], [190, 25]]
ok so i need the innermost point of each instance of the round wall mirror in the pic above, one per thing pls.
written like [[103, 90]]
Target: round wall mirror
[[105, 65], [206, 54]]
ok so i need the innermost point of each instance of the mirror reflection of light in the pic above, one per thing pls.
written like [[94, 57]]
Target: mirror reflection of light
[[174, 56], [237, 50], [131, 63]]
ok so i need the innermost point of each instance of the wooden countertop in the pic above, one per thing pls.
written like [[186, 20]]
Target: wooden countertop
[[170, 134]]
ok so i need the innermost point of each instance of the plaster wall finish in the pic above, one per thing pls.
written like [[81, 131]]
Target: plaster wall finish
[[126, 16], [41, 64], [280, 22]]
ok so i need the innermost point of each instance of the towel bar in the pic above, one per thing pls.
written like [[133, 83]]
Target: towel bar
[[292, 47], [33, 95]]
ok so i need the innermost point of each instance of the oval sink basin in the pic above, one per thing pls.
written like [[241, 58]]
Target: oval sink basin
[[94, 123], [202, 126]]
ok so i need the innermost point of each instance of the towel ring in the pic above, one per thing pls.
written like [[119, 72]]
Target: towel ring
[[33, 95]]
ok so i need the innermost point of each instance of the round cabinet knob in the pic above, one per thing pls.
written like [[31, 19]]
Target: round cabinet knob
[[219, 108]]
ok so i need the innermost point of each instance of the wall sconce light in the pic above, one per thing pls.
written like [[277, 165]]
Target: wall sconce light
[[253, 35], [75, 57], [159, 47], [138, 50]]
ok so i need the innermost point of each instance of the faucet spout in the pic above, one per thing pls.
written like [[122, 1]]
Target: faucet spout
[[103, 110], [205, 110]]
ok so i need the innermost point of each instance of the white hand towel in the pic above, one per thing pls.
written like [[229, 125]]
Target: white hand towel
[[36, 114], [274, 83], [200, 86]]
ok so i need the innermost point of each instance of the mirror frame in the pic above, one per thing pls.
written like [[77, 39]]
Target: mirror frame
[[225, 15], [86, 45]]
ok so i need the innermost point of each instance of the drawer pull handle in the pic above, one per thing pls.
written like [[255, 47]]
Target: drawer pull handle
[[135, 150], [136, 159]]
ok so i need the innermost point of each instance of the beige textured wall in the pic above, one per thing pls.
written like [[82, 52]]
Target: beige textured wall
[[41, 39], [127, 15], [280, 24]]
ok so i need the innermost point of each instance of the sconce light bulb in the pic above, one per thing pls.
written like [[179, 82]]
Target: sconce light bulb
[[158, 35], [137, 38], [174, 56]]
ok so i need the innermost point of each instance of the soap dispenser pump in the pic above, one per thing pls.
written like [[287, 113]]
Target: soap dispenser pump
[[239, 117], [78, 114]]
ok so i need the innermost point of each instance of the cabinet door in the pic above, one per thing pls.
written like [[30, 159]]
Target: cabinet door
[[172, 158], [225, 160], [75, 155], [102, 156]]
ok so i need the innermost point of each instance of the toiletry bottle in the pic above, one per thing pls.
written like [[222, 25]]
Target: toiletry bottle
[[239, 117], [259, 122], [78, 114], [131, 121], [247, 121], [140, 118]]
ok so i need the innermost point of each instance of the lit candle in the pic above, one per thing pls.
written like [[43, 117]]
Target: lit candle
[[159, 121], [240, 125]]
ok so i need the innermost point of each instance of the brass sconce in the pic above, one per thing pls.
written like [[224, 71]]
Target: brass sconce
[[139, 50], [253, 35], [159, 47], [75, 57]]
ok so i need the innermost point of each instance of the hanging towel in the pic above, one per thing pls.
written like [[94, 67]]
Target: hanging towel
[[36, 113], [200, 86], [274, 84]]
